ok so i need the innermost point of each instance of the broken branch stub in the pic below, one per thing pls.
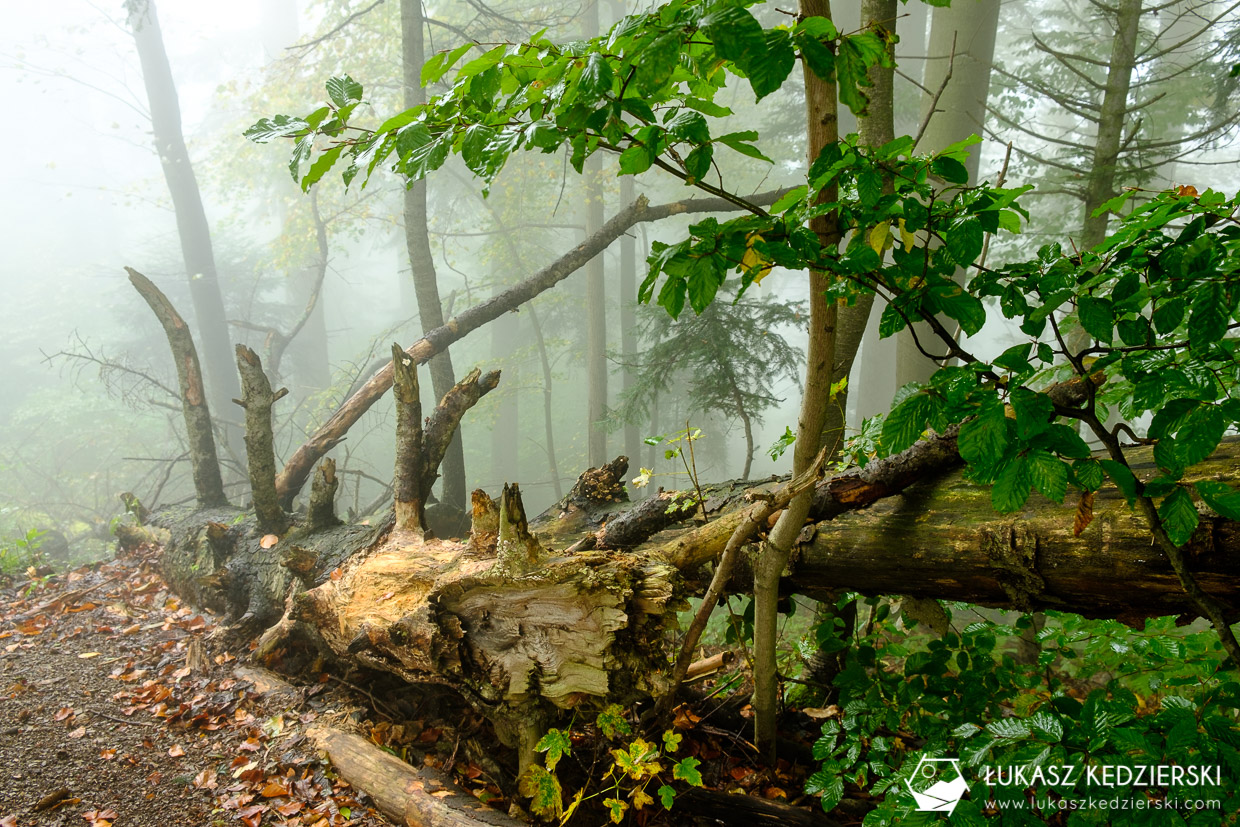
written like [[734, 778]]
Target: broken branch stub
[[407, 491], [257, 400]]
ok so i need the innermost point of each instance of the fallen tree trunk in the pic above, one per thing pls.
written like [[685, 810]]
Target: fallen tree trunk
[[521, 628]]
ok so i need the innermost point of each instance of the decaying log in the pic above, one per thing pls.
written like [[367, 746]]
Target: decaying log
[[257, 399], [517, 639], [942, 539], [297, 469], [415, 797], [208, 485]]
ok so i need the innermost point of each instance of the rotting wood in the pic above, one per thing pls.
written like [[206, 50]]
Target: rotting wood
[[415, 797], [208, 485], [321, 513], [257, 399]]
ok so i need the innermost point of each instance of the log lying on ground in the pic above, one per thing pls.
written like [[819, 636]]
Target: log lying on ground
[[943, 540], [408, 796]]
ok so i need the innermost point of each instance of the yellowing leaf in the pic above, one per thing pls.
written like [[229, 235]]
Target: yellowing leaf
[[880, 237], [754, 259], [907, 238]]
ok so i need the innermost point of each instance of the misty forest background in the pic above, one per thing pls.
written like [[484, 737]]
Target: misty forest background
[[88, 408]]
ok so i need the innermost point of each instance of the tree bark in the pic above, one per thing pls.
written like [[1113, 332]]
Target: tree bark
[[208, 485], [628, 318], [257, 399], [1111, 118], [962, 43], [596, 294], [421, 260], [407, 493], [820, 104], [192, 228], [415, 797]]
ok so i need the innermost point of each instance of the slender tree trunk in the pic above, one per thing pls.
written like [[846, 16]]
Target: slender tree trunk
[[506, 431], [876, 128], [1111, 118], [192, 227], [628, 317], [821, 126], [596, 294], [968, 27], [553, 467], [421, 261]]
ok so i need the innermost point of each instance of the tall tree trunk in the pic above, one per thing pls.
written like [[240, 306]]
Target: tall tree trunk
[[421, 261], [968, 27], [596, 301], [876, 128], [628, 318], [553, 467], [192, 227], [506, 431], [1101, 184], [821, 129]]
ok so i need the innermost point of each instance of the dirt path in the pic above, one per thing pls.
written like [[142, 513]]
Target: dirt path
[[116, 709]]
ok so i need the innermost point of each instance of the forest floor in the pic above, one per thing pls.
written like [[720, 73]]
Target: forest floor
[[118, 706], [121, 706]]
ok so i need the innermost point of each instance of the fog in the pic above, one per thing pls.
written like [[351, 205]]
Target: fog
[[86, 414]]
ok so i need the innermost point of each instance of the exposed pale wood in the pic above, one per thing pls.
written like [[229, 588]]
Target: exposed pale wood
[[709, 666], [415, 797]]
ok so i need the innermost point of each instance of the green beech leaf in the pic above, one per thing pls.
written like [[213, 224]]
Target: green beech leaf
[[596, 79], [1168, 315], [441, 63], [1123, 479], [965, 241], [1178, 516], [1221, 497], [768, 74], [950, 170], [688, 126], [1012, 486], [1034, 412], [1049, 475], [1200, 435], [906, 423], [739, 141], [1088, 474], [984, 439], [321, 165], [343, 91], [1097, 317], [1207, 321]]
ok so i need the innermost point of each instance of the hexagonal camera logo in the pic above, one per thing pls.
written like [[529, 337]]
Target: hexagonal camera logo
[[940, 784]]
